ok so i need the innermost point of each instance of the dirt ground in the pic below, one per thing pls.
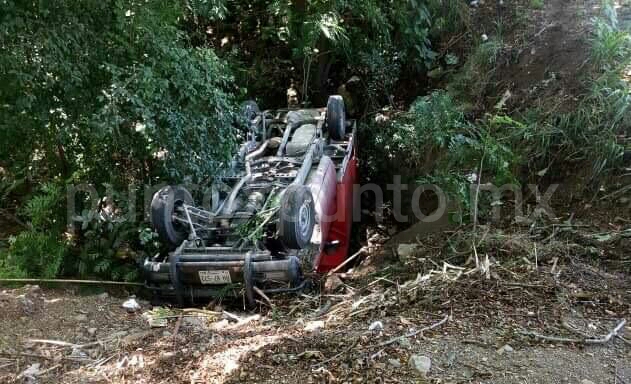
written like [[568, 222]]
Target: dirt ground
[[534, 300], [483, 321]]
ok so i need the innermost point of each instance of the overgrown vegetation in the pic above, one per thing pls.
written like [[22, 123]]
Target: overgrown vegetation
[[443, 147], [101, 92], [124, 94]]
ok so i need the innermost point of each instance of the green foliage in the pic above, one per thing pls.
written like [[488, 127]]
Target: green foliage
[[317, 42], [39, 250], [611, 46], [536, 4], [110, 90], [448, 17], [104, 92], [476, 78], [43, 209], [106, 250], [440, 147], [33, 254]]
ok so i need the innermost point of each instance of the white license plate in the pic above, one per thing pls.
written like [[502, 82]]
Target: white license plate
[[215, 277]]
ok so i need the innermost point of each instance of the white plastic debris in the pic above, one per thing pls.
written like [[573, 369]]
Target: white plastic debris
[[484, 37], [313, 326], [32, 371], [131, 305], [422, 364], [376, 326]]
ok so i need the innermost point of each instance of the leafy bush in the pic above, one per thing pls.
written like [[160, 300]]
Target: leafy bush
[[433, 143], [33, 254], [104, 92], [110, 92], [475, 79], [611, 46]]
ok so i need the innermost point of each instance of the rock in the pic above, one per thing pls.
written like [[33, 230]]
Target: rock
[[32, 371], [474, 3], [131, 305], [134, 337], [81, 318], [102, 296], [27, 304], [406, 251], [91, 331], [506, 348], [219, 325], [395, 363], [585, 381], [332, 283], [166, 334], [405, 342], [78, 354], [421, 364], [376, 326], [195, 322], [314, 325], [484, 37]]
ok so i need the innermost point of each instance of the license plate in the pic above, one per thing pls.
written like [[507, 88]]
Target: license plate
[[214, 277]]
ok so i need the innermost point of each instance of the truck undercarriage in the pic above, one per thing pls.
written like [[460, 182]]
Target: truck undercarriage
[[284, 205]]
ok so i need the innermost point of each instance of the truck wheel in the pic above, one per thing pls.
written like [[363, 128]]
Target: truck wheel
[[163, 206], [297, 217], [336, 117]]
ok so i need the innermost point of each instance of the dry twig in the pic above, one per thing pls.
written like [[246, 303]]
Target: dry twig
[[585, 340], [414, 333]]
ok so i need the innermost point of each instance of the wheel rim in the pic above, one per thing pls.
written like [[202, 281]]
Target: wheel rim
[[304, 218]]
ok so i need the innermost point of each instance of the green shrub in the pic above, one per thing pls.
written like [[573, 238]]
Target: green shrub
[[476, 78], [433, 143], [116, 93], [33, 254]]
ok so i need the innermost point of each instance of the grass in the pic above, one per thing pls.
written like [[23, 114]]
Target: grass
[[536, 4]]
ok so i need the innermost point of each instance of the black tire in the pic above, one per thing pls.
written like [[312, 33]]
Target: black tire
[[163, 204], [297, 217], [336, 117]]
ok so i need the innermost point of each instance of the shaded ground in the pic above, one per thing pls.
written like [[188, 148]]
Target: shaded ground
[[554, 278]]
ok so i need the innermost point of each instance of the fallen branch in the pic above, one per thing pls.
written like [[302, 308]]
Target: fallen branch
[[606, 338], [264, 296], [603, 340], [361, 251], [64, 343], [65, 281], [414, 333], [54, 358], [232, 316], [551, 338]]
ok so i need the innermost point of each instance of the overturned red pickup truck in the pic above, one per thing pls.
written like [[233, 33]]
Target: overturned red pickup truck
[[285, 206]]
